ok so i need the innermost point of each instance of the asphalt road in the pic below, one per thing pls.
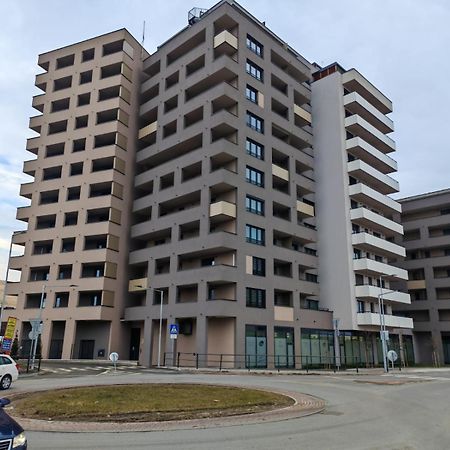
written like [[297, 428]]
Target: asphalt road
[[360, 414]]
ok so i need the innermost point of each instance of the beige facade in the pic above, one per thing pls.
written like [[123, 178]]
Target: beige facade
[[196, 176], [75, 245], [426, 220]]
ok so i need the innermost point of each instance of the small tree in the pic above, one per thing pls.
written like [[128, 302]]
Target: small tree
[[15, 348]]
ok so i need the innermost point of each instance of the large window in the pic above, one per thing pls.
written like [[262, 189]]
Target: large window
[[254, 70], [255, 46], [255, 122], [254, 205], [255, 298], [254, 149], [251, 94], [258, 266], [254, 176], [255, 235], [255, 346]]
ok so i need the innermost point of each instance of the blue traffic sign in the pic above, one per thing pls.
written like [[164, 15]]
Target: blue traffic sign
[[174, 328]]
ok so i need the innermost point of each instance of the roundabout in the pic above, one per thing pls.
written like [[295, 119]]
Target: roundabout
[[156, 406]]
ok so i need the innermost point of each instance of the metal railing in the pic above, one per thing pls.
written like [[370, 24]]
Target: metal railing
[[224, 361]]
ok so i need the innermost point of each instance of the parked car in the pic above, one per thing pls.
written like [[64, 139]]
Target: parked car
[[11, 433], [9, 372]]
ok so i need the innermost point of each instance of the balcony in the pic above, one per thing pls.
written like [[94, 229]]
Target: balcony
[[148, 130], [373, 319], [372, 292], [373, 244], [372, 198], [355, 82], [416, 284], [363, 129], [369, 154], [374, 268], [368, 219], [304, 209], [302, 117], [284, 313], [356, 104], [222, 210], [279, 172], [137, 285], [225, 40], [372, 177]]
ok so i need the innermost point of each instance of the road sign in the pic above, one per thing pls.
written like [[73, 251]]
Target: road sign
[[33, 334], [114, 357], [36, 324], [173, 330], [392, 355]]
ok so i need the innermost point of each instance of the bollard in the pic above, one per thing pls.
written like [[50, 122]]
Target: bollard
[[220, 364], [178, 360], [196, 360]]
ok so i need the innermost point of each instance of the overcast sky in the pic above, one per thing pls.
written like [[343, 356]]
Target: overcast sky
[[402, 46]]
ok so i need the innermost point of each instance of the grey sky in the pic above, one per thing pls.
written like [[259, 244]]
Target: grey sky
[[402, 46]]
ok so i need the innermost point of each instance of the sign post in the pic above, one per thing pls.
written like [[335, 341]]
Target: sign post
[[392, 357], [114, 357], [174, 330]]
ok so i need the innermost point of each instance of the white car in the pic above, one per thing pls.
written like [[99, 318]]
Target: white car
[[9, 371]]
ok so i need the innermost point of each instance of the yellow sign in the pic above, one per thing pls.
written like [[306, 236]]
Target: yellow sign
[[10, 328]]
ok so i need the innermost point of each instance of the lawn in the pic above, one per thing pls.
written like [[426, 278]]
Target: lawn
[[145, 402]]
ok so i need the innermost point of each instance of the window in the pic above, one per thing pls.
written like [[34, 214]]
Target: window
[[254, 176], [255, 122], [254, 149], [84, 99], [79, 145], [253, 70], [255, 235], [251, 94], [360, 306], [68, 245], [76, 169], [73, 193], [70, 218], [81, 122], [254, 205], [61, 300], [88, 54], [258, 266], [255, 298], [86, 77], [255, 46]]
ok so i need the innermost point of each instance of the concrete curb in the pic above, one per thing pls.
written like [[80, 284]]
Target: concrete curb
[[305, 405]]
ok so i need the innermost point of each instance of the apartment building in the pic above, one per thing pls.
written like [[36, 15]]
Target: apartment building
[[75, 244], [223, 184], [426, 220], [356, 223]]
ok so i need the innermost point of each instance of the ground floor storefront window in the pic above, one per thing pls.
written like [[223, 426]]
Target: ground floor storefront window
[[255, 346], [284, 347]]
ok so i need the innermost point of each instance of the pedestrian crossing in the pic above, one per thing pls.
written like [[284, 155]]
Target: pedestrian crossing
[[85, 369]]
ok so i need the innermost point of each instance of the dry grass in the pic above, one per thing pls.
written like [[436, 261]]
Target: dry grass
[[146, 402]]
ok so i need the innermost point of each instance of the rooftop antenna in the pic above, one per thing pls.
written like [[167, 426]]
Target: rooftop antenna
[[143, 40]]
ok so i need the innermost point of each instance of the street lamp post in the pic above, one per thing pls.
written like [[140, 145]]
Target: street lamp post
[[161, 298], [383, 321], [6, 280]]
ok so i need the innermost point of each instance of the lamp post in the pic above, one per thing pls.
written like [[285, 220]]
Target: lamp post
[[34, 340], [161, 297], [6, 280], [382, 319]]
